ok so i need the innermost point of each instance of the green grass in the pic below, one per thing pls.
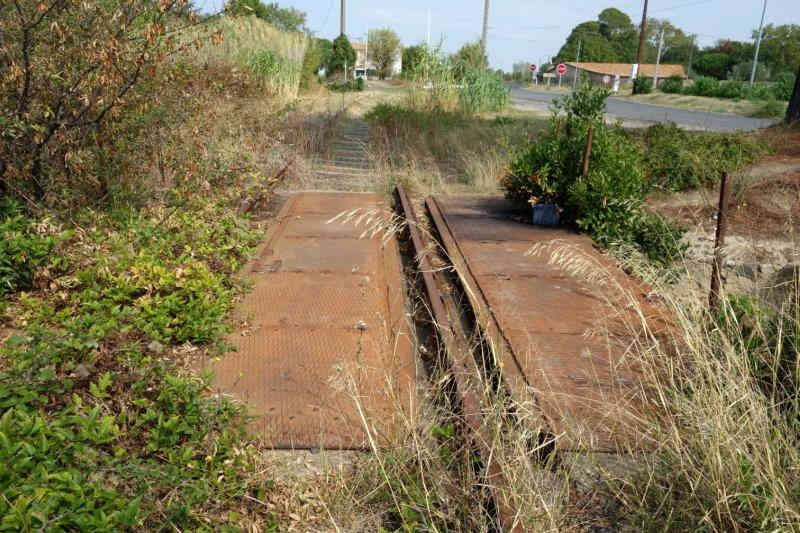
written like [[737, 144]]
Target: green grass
[[101, 429]]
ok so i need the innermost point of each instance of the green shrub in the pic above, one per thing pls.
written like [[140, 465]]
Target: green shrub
[[770, 109], [677, 160], [784, 86], [734, 90], [704, 86], [356, 85], [22, 250], [482, 91], [271, 66], [672, 85], [607, 203], [642, 85]]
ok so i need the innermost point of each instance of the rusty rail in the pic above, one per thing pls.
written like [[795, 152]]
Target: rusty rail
[[469, 383]]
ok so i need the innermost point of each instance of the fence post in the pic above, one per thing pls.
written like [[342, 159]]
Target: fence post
[[719, 244], [588, 153]]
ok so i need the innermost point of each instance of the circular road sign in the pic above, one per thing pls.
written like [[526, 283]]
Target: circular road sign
[[561, 69], [533, 68]]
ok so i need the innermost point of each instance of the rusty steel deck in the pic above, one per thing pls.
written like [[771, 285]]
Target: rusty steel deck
[[545, 324], [322, 348]]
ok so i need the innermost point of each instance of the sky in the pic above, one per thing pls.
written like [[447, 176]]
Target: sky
[[529, 30]]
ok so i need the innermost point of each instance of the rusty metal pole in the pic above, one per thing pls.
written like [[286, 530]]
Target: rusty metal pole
[[719, 243], [588, 153]]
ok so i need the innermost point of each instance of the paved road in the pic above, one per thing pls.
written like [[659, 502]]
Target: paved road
[[627, 110]]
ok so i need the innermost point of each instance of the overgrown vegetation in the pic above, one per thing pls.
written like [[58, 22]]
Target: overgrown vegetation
[[117, 280], [607, 202], [725, 422], [677, 160]]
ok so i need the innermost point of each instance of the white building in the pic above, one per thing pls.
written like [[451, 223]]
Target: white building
[[363, 66]]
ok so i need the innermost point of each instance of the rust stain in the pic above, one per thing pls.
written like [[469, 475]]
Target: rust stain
[[326, 352], [545, 323]]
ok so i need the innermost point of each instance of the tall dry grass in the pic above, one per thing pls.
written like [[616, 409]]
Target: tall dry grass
[[274, 57]]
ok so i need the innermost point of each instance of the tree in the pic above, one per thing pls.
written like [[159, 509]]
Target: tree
[[413, 57], [780, 47], [677, 46], [283, 18], [384, 47], [594, 45], [714, 64], [619, 30], [58, 90], [742, 71], [342, 54], [793, 112], [469, 57]]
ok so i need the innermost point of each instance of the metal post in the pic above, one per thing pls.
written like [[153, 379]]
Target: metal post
[[343, 29], [716, 268], [485, 37], [366, 57], [658, 59], [577, 65], [758, 45]]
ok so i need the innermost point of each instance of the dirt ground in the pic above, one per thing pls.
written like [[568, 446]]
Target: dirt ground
[[763, 235]]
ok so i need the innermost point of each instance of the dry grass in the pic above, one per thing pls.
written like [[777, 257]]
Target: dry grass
[[744, 108], [447, 151], [244, 40]]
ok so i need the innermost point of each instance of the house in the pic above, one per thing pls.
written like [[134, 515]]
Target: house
[[363, 67], [605, 73]]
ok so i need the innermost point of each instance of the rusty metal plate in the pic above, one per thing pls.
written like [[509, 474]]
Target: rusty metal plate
[[540, 305], [584, 385], [356, 256], [323, 226], [323, 335], [334, 203], [302, 385]]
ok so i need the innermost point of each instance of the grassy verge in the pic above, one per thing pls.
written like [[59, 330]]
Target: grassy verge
[[110, 303], [745, 108]]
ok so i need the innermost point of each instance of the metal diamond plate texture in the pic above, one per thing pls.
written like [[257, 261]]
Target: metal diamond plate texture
[[552, 321], [323, 336]]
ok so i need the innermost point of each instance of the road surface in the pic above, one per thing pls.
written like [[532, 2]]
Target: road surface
[[635, 111]]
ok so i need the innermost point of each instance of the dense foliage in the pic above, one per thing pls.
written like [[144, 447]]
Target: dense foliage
[[283, 18], [342, 54], [613, 38], [58, 92], [608, 202], [734, 90], [384, 50], [677, 160]]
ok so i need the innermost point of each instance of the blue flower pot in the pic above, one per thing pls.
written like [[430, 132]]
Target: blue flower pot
[[545, 215]]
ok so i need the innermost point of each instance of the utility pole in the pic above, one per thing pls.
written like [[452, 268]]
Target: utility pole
[[343, 29], [758, 45], [577, 65], [658, 59], [485, 37], [366, 57], [642, 34], [691, 55]]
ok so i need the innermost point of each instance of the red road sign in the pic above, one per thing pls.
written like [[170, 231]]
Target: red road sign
[[561, 69], [533, 68]]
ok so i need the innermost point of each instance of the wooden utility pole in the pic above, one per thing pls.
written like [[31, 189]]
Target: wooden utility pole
[[343, 30], [719, 244], [642, 34], [793, 113], [485, 37]]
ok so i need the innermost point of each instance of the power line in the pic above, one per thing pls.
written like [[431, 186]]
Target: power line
[[681, 6]]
